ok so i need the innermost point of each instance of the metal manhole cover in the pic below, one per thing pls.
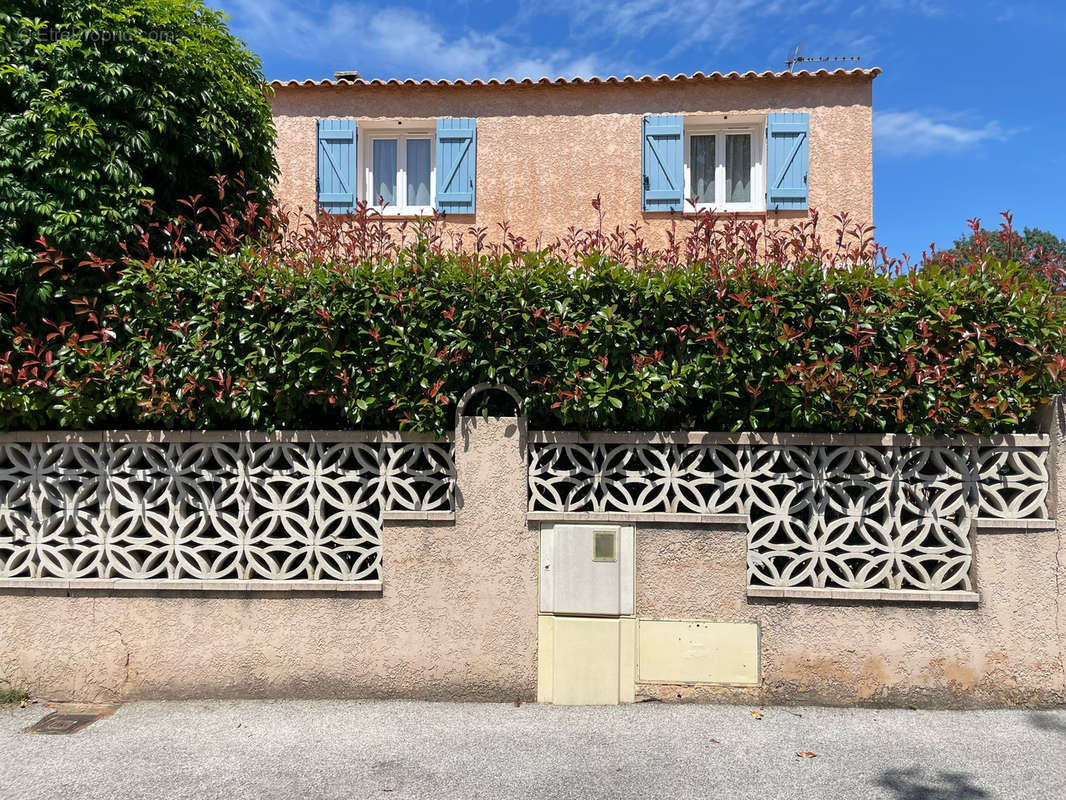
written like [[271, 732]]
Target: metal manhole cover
[[56, 723]]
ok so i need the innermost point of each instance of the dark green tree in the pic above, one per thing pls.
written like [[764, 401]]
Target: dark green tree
[[1007, 243], [108, 106]]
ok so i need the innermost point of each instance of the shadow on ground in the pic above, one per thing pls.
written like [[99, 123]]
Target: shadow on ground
[[1047, 722], [916, 784]]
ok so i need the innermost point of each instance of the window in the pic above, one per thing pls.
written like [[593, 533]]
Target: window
[[400, 171], [724, 167]]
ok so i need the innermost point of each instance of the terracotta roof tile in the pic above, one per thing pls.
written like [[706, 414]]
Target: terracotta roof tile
[[627, 79]]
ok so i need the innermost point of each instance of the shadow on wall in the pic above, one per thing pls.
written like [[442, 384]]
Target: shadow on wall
[[912, 784]]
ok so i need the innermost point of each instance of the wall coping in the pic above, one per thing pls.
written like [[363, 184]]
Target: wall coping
[[193, 437], [898, 595], [535, 437], [721, 520], [754, 438], [119, 585], [981, 524]]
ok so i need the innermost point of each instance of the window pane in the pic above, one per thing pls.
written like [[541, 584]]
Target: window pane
[[738, 168], [418, 172], [384, 171], [701, 161]]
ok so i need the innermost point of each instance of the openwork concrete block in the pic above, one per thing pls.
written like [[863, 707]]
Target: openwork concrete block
[[875, 513], [212, 512]]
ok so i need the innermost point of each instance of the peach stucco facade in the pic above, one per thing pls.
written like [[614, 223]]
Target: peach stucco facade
[[457, 617], [544, 150]]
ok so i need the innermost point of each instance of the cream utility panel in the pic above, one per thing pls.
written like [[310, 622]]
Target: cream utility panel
[[586, 570]]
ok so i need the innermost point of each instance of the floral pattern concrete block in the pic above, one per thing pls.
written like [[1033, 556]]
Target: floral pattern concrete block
[[211, 510], [849, 517]]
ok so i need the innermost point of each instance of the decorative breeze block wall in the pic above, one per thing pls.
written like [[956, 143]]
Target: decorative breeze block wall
[[192, 508], [884, 513]]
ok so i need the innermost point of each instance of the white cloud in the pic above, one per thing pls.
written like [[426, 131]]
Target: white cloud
[[396, 42], [717, 23], [917, 133], [590, 37], [711, 26]]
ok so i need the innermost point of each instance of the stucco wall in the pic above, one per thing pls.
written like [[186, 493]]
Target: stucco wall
[[543, 152], [1004, 651], [1009, 649], [458, 617]]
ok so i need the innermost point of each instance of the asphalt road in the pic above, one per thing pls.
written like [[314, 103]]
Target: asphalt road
[[266, 750]]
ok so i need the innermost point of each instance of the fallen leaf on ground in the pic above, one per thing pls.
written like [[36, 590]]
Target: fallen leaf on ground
[[756, 715], [806, 754]]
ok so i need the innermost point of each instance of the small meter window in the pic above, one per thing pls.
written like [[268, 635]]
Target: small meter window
[[604, 546]]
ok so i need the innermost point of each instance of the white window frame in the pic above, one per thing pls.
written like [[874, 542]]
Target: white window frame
[[367, 137], [757, 131]]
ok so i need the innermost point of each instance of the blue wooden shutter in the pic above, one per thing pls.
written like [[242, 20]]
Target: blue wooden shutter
[[456, 165], [663, 164], [336, 166], [787, 160]]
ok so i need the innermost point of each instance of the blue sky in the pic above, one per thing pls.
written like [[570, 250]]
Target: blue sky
[[970, 112]]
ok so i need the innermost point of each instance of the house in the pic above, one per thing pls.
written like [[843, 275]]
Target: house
[[534, 153]]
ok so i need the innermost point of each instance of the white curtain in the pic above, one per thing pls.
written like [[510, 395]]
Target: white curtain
[[738, 168], [418, 172], [384, 171], [702, 165]]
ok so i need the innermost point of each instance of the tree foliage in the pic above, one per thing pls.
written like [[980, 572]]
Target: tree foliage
[[1008, 244], [107, 106]]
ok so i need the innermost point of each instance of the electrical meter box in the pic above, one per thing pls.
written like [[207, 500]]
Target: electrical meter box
[[586, 570]]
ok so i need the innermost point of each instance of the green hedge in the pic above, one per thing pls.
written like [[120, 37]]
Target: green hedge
[[251, 341]]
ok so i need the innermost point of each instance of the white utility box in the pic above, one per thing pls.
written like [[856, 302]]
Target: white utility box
[[586, 570]]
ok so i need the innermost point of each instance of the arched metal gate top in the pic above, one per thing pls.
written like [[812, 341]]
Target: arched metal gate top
[[481, 388]]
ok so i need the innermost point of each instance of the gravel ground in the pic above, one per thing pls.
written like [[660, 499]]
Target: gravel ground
[[362, 749]]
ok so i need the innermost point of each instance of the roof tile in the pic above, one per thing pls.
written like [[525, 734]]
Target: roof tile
[[627, 79]]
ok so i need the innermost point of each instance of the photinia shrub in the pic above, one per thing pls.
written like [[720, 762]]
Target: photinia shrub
[[351, 323]]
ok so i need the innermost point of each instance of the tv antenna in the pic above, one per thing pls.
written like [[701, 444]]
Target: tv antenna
[[796, 57]]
